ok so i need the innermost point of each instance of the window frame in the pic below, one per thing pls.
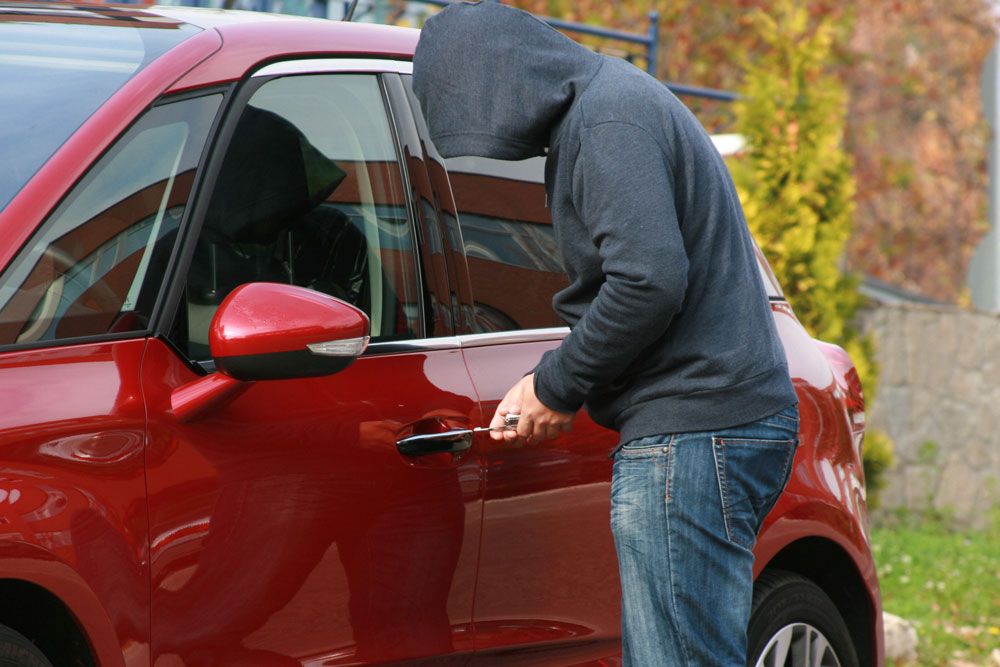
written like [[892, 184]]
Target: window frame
[[458, 261], [771, 285], [193, 199], [165, 318]]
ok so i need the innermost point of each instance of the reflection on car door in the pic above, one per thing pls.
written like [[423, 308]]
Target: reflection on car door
[[547, 591], [286, 527], [74, 305]]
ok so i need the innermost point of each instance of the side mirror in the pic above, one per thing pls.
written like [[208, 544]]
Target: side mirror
[[269, 331]]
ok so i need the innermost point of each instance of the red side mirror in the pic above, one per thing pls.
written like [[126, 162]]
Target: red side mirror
[[269, 331]]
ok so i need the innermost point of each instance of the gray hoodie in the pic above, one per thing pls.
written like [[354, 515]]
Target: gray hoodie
[[671, 330]]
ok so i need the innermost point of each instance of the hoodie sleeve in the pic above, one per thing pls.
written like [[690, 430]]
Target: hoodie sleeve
[[623, 191]]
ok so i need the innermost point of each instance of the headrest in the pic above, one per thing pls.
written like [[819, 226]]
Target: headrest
[[271, 176]]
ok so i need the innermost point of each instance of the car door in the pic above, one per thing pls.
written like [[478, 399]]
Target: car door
[[547, 591], [286, 526]]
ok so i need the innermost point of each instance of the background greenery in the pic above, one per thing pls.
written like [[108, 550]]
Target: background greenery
[[945, 580], [797, 185], [915, 131]]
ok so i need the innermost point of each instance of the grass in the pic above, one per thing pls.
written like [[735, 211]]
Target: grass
[[943, 579]]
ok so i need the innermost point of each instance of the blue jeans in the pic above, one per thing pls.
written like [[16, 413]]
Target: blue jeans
[[685, 511]]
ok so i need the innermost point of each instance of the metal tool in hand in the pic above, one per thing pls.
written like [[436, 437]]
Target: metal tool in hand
[[509, 424], [454, 441]]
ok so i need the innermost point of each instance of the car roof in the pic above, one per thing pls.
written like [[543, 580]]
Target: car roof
[[252, 38], [212, 19], [248, 38]]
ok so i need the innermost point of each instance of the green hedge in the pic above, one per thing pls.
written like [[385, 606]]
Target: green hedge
[[797, 186]]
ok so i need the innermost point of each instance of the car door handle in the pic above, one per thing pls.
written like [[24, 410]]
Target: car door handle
[[457, 440]]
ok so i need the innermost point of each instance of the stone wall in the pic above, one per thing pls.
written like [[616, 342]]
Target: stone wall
[[939, 400]]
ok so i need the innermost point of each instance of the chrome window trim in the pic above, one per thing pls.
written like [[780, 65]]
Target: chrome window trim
[[520, 336], [326, 65], [412, 345], [467, 340]]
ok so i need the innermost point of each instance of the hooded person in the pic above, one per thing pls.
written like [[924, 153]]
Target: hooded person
[[671, 333]]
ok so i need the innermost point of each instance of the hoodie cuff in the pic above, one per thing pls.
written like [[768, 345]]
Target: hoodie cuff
[[547, 386]]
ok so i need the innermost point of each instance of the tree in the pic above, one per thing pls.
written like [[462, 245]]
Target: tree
[[795, 179], [797, 186], [918, 139]]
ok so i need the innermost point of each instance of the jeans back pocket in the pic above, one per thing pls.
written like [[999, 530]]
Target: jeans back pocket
[[752, 472]]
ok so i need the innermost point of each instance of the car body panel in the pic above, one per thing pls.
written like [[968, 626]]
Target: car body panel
[[73, 477], [548, 576], [347, 550]]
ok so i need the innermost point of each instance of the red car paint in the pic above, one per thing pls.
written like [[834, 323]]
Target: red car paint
[[192, 519]]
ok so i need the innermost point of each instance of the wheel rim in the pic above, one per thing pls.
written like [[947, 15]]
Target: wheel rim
[[798, 645]]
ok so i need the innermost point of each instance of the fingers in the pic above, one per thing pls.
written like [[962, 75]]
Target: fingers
[[534, 425], [541, 429], [507, 406], [522, 433], [495, 422]]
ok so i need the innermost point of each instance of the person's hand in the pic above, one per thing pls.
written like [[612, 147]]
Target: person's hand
[[536, 423]]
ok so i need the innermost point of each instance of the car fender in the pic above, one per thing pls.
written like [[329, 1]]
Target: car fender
[[32, 563]]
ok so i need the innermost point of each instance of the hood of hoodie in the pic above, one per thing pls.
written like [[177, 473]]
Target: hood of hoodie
[[493, 80]]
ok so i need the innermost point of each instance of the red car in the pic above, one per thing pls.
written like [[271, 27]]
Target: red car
[[248, 319]]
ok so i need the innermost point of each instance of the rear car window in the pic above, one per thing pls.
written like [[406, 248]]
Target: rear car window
[[513, 258], [60, 65]]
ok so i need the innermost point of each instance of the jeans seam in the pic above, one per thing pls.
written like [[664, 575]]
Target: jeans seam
[[719, 454], [787, 467], [788, 461], [671, 559], [667, 468], [794, 420]]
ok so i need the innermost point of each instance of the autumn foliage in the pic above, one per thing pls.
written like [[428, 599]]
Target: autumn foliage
[[914, 131], [919, 141]]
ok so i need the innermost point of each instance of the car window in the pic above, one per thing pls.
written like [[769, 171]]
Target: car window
[[771, 285], [85, 271], [60, 65], [512, 254], [310, 194]]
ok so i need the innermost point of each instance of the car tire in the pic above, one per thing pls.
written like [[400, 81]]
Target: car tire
[[793, 623], [16, 650]]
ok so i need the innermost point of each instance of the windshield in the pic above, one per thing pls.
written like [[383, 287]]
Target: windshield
[[57, 66]]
